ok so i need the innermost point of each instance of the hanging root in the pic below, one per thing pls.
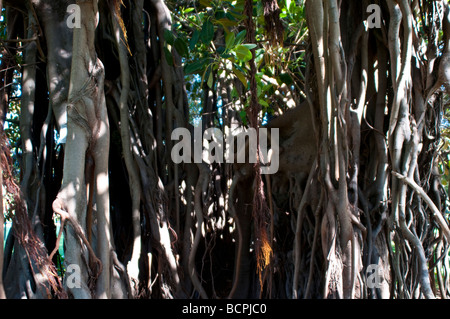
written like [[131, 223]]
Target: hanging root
[[23, 229], [264, 254], [95, 265], [260, 214], [260, 210]]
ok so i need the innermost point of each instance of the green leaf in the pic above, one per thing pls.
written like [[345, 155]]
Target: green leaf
[[243, 53], [229, 40], [210, 80], [221, 50], [207, 33], [240, 37], [219, 14], [249, 46], [169, 56], [168, 36], [267, 87], [230, 16], [263, 103], [181, 47], [234, 93], [194, 39], [195, 67], [243, 116], [227, 22], [285, 78], [240, 76]]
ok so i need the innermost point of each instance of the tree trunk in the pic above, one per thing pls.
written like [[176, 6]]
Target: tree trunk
[[88, 139]]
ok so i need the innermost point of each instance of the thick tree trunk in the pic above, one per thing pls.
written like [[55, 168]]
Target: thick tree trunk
[[87, 140], [27, 109]]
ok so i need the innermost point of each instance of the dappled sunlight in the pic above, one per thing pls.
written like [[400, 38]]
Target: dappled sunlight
[[275, 149]]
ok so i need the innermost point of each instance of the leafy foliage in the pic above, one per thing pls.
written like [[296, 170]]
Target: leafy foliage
[[212, 41]]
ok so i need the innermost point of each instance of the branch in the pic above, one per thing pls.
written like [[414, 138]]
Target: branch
[[35, 38], [405, 69]]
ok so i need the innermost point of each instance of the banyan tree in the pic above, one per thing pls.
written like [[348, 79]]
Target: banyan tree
[[93, 91]]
